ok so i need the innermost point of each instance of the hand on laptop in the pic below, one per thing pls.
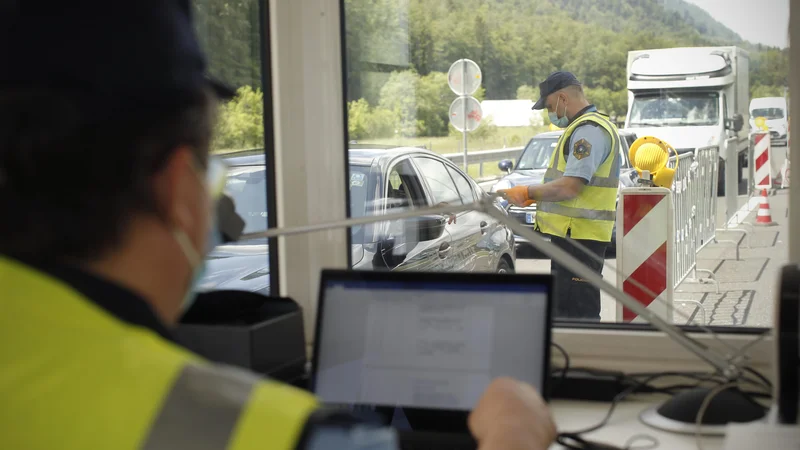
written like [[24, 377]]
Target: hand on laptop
[[511, 415]]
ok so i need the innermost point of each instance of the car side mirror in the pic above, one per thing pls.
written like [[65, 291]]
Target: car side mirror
[[505, 165], [423, 228]]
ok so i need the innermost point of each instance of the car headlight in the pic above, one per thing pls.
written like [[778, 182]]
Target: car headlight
[[502, 184]]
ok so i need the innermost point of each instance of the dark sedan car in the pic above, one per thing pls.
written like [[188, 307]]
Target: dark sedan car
[[381, 182], [532, 164]]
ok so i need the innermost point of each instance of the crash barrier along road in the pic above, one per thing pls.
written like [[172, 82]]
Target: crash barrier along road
[[664, 224]]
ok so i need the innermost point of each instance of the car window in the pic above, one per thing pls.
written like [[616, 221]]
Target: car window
[[463, 185], [403, 187], [537, 153], [443, 190], [247, 187]]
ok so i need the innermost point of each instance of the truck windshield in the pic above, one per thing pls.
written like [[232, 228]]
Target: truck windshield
[[767, 113], [537, 154], [675, 109]]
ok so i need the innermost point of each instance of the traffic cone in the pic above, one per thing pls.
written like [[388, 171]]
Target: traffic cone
[[764, 217]]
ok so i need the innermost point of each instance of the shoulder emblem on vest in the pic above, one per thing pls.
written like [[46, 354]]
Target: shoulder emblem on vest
[[581, 149]]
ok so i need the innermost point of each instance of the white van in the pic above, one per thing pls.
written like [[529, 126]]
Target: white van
[[773, 109]]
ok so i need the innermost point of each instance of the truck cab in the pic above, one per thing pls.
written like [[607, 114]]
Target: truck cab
[[692, 98]]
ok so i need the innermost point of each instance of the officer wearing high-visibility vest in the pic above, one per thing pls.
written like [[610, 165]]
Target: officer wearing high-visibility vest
[[107, 191], [577, 200]]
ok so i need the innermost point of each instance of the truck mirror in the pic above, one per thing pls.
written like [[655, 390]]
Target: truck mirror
[[737, 122]]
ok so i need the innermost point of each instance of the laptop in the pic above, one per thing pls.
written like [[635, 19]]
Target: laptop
[[417, 349]]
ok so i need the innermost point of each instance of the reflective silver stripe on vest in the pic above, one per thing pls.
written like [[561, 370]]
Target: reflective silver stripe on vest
[[577, 213], [201, 410]]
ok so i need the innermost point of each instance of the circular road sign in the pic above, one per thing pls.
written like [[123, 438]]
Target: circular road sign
[[471, 74], [469, 121]]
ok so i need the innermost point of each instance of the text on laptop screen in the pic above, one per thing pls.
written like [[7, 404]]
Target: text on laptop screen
[[427, 345]]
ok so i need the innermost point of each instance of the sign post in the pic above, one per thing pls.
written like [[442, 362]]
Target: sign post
[[464, 78]]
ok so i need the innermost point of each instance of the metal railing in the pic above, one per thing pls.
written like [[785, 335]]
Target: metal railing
[[695, 204]]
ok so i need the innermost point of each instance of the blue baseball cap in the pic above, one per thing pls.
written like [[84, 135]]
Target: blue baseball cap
[[139, 54], [554, 82]]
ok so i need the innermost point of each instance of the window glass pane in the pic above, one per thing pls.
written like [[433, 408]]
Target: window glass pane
[[464, 187], [684, 89], [441, 185], [230, 34]]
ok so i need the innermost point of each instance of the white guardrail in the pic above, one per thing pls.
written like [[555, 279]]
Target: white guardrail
[[485, 156]]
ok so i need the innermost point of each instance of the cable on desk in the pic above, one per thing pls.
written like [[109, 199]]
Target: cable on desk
[[702, 411], [564, 369], [576, 442]]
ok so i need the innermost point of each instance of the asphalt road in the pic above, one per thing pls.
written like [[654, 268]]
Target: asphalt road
[[746, 286]]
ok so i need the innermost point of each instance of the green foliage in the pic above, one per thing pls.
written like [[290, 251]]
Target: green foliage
[[613, 103], [761, 90], [367, 122], [519, 42], [526, 92], [228, 31], [240, 124], [485, 131]]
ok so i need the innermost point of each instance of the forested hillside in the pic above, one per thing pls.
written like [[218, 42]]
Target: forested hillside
[[398, 51], [516, 43]]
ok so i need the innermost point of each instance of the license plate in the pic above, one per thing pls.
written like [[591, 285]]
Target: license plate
[[529, 217]]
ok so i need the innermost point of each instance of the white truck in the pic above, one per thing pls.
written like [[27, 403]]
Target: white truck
[[692, 97]]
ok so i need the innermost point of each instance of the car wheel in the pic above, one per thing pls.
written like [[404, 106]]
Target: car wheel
[[504, 267]]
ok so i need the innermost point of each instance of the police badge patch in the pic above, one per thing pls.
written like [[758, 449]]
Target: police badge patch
[[581, 149]]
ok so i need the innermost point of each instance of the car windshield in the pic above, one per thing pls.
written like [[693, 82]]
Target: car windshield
[[247, 186], [537, 154], [675, 109], [767, 113]]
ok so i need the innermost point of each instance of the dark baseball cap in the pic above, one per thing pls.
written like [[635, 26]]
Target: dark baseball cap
[[554, 82], [114, 55]]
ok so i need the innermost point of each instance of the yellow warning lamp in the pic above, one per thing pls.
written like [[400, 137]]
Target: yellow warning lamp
[[761, 123], [652, 154]]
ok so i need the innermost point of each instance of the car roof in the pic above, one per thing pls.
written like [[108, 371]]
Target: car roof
[[768, 102], [357, 156]]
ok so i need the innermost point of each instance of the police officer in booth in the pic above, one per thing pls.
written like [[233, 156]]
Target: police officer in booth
[[577, 200], [107, 190]]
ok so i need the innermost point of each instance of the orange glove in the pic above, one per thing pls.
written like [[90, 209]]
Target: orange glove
[[517, 196]]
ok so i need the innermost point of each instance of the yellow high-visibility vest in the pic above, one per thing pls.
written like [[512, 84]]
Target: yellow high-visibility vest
[[590, 215], [75, 377]]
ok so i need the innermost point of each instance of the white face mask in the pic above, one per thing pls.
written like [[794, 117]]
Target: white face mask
[[215, 183]]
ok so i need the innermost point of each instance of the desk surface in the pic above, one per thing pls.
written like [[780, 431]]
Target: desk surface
[[624, 423]]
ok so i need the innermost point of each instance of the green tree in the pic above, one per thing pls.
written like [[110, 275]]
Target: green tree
[[240, 124], [526, 92]]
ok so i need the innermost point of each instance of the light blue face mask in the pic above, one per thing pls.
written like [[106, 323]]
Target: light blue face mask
[[200, 268], [560, 122], [215, 184]]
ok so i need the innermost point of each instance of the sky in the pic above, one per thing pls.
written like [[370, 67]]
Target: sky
[[758, 21]]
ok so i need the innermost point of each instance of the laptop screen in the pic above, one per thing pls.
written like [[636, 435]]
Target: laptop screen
[[428, 342]]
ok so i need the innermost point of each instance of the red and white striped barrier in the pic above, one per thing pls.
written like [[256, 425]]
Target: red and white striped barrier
[[646, 218], [763, 169]]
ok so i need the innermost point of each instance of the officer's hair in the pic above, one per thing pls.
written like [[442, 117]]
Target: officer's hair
[[70, 179], [575, 90]]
